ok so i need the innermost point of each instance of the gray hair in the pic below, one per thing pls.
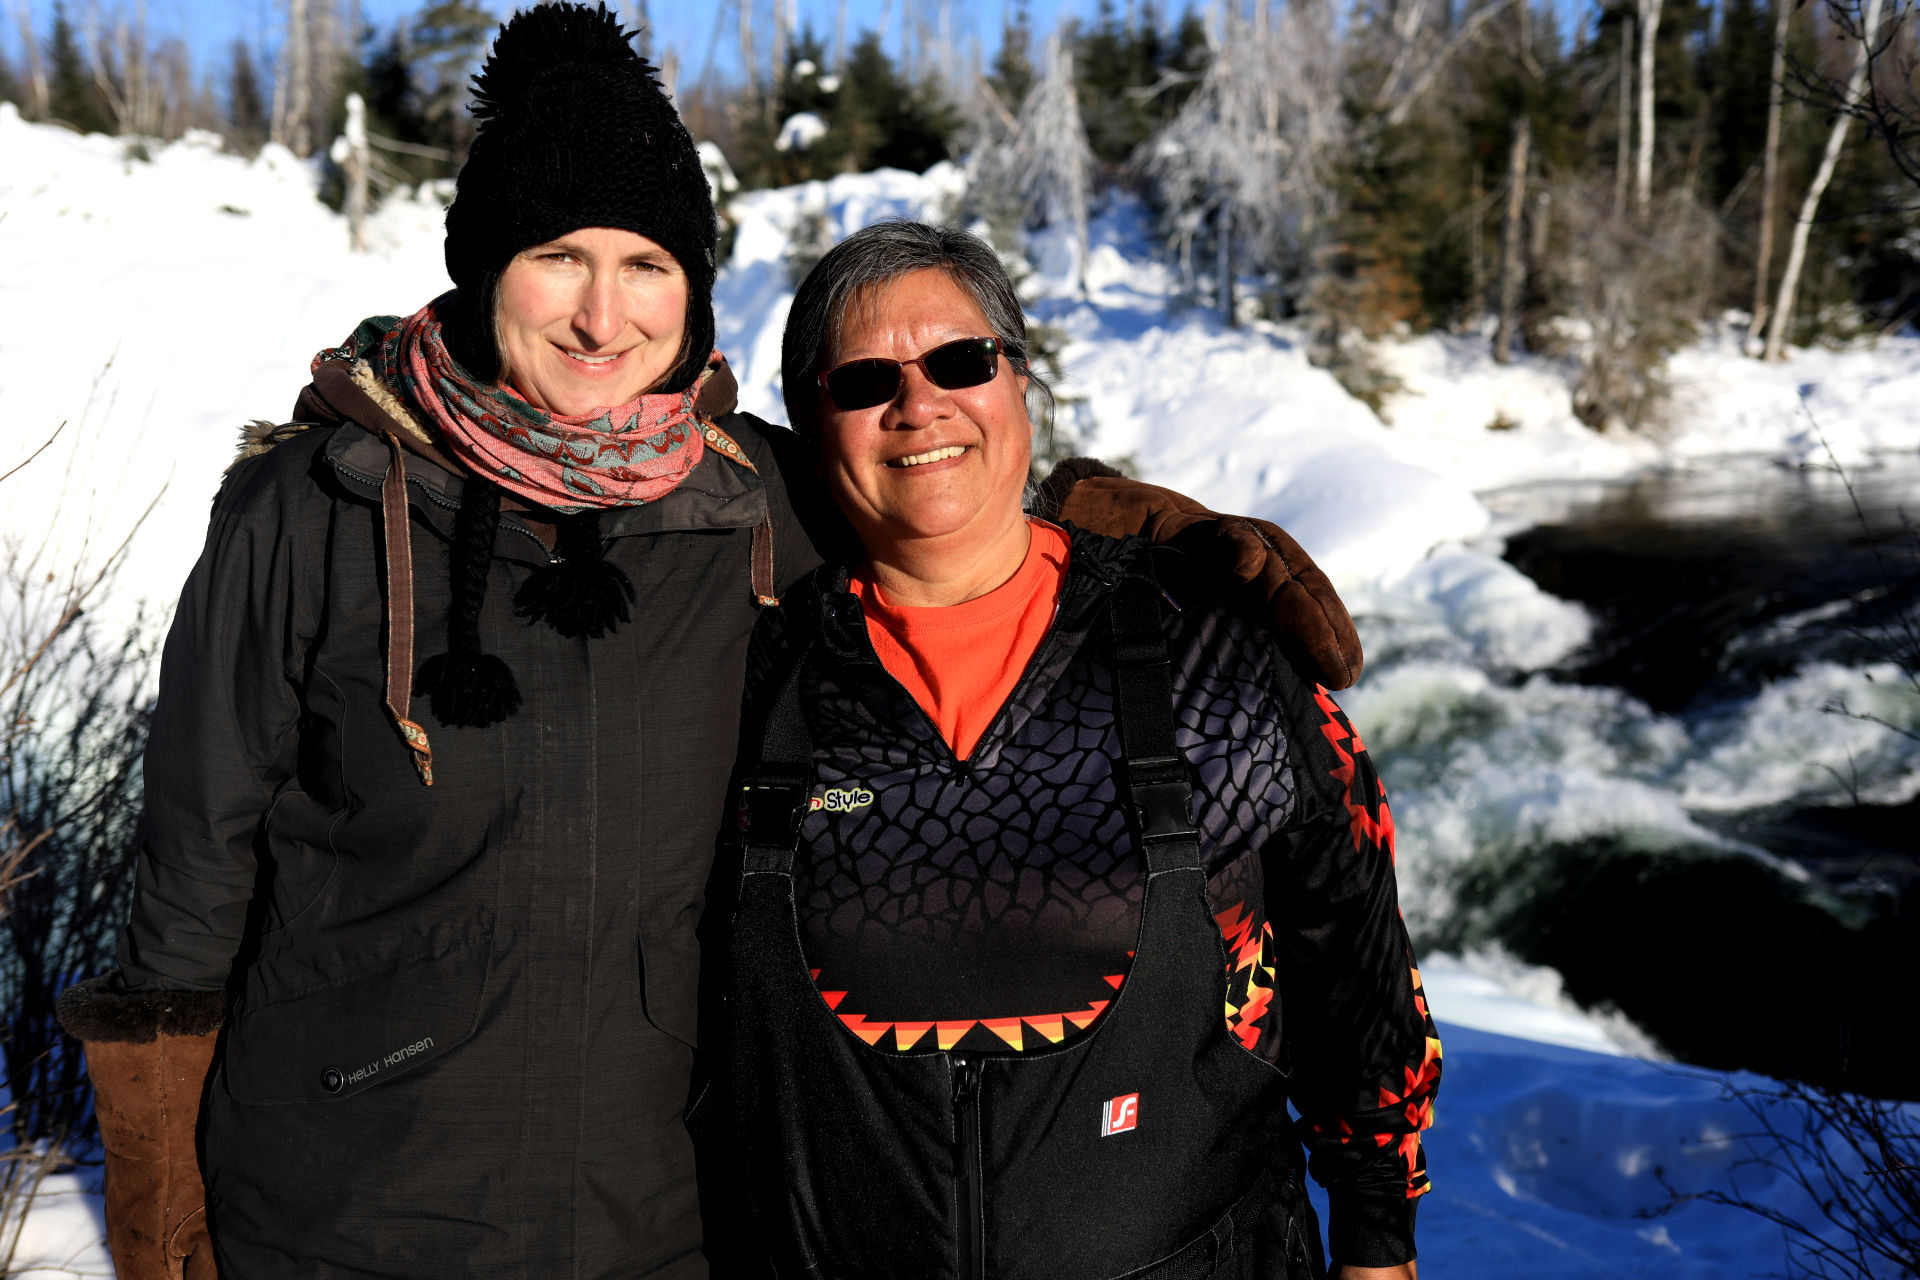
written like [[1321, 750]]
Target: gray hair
[[875, 256]]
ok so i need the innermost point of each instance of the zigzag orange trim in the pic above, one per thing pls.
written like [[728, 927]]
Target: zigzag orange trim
[[1340, 736], [1246, 1027]]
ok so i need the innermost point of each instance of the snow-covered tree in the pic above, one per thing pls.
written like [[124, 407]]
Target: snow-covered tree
[[1053, 165], [1248, 154]]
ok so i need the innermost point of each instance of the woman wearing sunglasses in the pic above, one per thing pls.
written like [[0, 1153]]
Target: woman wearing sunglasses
[[1056, 881]]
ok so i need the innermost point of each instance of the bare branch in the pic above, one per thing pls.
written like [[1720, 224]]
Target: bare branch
[[37, 452], [1838, 708], [1399, 105]]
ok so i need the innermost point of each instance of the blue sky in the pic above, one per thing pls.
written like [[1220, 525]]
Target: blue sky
[[210, 26]]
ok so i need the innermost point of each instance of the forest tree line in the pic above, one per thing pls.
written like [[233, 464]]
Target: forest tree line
[[1601, 186]]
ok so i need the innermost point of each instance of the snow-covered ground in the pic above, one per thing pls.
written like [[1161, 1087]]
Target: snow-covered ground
[[153, 306]]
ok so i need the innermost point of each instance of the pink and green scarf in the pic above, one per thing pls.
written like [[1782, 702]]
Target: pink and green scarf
[[623, 456]]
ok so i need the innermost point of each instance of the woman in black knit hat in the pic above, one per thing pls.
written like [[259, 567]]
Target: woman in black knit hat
[[445, 723]]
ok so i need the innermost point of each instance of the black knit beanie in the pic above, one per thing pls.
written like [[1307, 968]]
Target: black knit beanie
[[575, 131]]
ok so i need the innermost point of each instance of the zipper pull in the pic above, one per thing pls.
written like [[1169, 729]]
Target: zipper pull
[[966, 1080]]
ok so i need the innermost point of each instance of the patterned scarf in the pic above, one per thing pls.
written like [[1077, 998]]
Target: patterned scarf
[[619, 457]]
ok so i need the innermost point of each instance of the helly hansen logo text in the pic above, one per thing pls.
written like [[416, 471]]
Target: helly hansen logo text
[[842, 800], [397, 1056], [1120, 1115]]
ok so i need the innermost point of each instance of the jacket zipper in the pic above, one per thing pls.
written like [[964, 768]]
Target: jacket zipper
[[966, 1162]]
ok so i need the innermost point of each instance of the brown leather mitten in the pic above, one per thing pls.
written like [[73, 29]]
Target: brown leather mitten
[[148, 1055], [1288, 589]]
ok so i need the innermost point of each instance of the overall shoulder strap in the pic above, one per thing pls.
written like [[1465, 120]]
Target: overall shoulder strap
[[1160, 788], [775, 798]]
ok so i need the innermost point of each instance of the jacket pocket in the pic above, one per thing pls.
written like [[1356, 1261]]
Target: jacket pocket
[[340, 1040]]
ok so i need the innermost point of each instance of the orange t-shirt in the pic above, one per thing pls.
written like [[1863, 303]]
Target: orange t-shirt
[[960, 662]]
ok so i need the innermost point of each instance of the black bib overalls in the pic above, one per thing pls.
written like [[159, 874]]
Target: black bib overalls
[[1153, 1146]]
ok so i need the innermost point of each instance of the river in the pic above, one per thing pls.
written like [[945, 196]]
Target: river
[[1750, 667]]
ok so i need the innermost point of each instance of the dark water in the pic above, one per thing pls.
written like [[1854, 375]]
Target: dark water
[[1711, 583], [1706, 586]]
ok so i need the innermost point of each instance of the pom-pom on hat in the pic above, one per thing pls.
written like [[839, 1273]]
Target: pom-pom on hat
[[575, 131]]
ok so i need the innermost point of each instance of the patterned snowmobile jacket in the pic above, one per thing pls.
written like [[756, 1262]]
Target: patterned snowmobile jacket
[[990, 905]]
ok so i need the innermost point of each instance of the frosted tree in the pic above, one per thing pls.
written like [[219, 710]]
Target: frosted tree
[[1052, 163], [1248, 155]]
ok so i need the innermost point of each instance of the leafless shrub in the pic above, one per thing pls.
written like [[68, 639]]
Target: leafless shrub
[[74, 704], [145, 79], [1635, 288], [1857, 1159]]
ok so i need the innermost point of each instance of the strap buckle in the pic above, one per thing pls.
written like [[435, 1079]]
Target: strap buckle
[[771, 812], [1162, 794]]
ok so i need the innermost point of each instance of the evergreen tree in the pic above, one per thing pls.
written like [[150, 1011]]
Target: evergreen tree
[[1741, 63], [10, 89], [875, 118], [1134, 76], [801, 88], [1012, 74], [394, 107], [72, 97], [448, 39], [246, 107], [890, 123], [1110, 59]]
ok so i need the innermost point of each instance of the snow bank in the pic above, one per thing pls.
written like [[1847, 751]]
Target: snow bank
[[155, 306], [1549, 1161], [1488, 989], [64, 1234]]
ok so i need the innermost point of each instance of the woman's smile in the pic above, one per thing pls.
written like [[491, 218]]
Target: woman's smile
[[932, 456], [596, 365]]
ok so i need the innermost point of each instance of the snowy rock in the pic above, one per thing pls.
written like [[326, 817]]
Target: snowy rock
[[799, 132], [720, 179]]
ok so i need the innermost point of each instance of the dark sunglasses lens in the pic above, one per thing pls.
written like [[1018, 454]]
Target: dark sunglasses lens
[[966, 363], [863, 384]]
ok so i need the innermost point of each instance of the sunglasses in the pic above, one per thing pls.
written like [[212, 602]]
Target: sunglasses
[[862, 384]]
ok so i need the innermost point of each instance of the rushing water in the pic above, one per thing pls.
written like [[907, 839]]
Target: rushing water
[[1705, 815]]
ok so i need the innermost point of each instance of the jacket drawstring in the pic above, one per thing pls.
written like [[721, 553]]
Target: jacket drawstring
[[762, 556], [399, 566], [761, 552]]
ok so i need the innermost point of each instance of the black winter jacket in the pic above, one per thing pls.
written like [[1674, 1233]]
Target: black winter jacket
[[463, 1027]]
